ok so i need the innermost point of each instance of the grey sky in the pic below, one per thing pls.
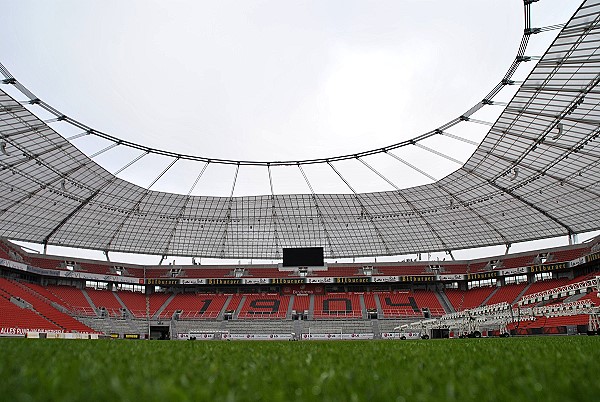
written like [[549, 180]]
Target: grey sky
[[270, 80]]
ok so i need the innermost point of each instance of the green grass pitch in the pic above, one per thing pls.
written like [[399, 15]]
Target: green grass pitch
[[513, 369]]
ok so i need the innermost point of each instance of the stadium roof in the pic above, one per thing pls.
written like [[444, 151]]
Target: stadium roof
[[535, 175]]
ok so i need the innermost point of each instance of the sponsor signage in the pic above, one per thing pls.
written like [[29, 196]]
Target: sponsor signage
[[256, 281], [114, 335], [288, 281], [321, 336], [482, 275], [399, 335], [160, 281], [131, 336], [593, 257], [385, 278], [257, 337], [320, 280], [49, 272], [451, 277], [353, 280], [193, 281], [576, 262], [549, 267], [195, 336], [417, 278], [513, 271], [333, 337], [93, 277], [23, 331], [236, 281], [13, 264]]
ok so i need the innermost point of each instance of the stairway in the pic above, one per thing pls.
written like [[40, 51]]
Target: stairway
[[443, 299], [164, 306], [489, 297], [89, 299]]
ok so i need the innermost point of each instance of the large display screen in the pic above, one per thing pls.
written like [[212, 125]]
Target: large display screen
[[303, 257]]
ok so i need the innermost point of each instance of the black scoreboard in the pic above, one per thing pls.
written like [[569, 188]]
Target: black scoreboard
[[303, 257]]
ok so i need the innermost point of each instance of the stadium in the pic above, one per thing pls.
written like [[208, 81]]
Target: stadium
[[533, 176]]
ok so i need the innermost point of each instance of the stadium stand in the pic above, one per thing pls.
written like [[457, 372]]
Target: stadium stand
[[266, 273], [44, 292], [234, 303], [402, 270], [195, 306], [370, 302], [95, 268], [517, 262], [266, 306], [21, 319], [454, 268], [337, 305], [60, 319], [46, 263], [410, 304], [540, 286], [507, 293], [301, 303], [463, 300], [202, 272], [566, 255], [73, 298], [136, 302], [322, 308], [105, 299]]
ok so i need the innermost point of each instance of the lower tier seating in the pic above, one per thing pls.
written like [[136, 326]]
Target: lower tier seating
[[64, 321], [136, 302], [472, 298], [410, 304], [266, 306], [193, 306], [337, 305]]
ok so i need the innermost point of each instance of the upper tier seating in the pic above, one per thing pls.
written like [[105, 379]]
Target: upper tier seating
[[567, 255], [47, 263], [517, 262], [266, 273], [201, 272], [402, 270], [337, 271], [4, 253], [12, 252], [476, 266], [451, 268], [100, 269]]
